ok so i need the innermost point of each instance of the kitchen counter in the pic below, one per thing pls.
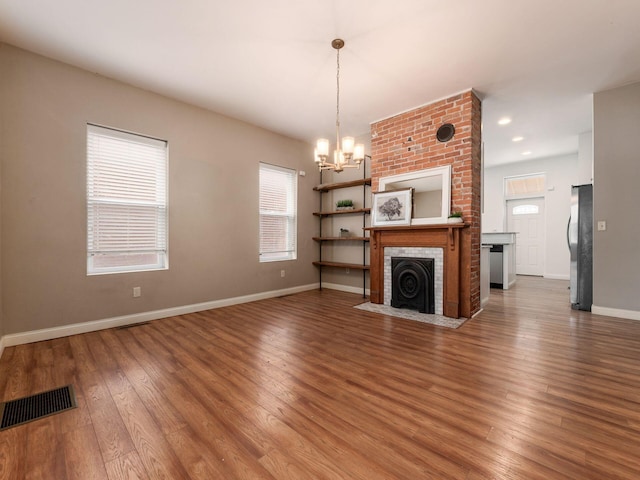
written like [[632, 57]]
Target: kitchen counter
[[502, 264], [499, 238]]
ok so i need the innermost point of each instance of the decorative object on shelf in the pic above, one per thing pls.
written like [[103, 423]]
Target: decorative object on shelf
[[344, 233], [349, 151], [445, 132], [391, 208], [344, 205], [455, 217]]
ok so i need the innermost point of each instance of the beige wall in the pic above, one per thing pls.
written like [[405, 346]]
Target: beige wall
[[2, 90], [616, 197], [213, 197]]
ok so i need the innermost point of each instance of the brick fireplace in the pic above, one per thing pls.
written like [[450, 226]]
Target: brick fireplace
[[406, 143]]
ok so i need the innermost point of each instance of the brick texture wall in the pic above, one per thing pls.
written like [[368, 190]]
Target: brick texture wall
[[407, 142]]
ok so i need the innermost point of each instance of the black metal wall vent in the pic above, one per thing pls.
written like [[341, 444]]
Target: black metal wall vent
[[23, 410], [445, 132]]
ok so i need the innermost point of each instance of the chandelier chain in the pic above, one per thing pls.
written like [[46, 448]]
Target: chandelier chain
[[338, 97]]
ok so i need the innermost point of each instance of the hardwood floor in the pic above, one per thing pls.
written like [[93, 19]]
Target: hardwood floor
[[307, 387]]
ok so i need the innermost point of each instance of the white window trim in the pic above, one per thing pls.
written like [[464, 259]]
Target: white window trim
[[161, 245], [289, 254], [524, 195]]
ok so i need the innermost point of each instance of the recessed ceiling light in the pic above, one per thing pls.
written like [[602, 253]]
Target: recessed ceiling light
[[517, 139], [504, 121], [528, 152]]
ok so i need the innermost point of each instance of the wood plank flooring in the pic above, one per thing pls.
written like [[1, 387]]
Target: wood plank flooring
[[307, 387]]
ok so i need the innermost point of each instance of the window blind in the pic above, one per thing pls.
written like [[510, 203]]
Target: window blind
[[278, 213], [126, 201]]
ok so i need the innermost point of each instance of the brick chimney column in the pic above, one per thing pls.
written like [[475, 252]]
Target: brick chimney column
[[407, 142]]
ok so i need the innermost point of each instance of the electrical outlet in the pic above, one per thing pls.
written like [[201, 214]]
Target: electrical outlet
[[281, 273], [137, 292], [602, 225]]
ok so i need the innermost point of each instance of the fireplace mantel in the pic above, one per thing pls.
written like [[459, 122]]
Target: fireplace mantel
[[445, 236]]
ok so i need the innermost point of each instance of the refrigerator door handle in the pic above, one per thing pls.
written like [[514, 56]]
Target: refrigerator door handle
[[568, 239]]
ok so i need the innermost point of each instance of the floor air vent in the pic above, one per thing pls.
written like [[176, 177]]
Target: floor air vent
[[23, 410]]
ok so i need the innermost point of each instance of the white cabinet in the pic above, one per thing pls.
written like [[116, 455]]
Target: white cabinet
[[502, 258]]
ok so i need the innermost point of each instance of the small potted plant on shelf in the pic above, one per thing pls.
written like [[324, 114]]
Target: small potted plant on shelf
[[455, 217], [344, 205]]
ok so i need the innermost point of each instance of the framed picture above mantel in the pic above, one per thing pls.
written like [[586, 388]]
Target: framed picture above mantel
[[392, 208]]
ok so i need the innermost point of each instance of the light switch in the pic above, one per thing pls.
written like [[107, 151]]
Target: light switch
[[602, 225]]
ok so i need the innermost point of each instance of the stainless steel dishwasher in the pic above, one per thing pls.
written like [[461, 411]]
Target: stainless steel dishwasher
[[496, 266]]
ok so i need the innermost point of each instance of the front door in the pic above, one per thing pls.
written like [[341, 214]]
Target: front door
[[526, 218]]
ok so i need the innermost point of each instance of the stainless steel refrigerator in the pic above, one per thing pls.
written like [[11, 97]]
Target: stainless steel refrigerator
[[580, 240]]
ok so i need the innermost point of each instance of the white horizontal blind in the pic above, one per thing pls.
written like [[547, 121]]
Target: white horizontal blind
[[126, 202], [278, 213]]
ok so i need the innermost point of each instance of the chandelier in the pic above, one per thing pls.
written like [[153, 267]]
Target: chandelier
[[346, 152]]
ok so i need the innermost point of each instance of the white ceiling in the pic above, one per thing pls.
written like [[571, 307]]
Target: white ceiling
[[271, 63]]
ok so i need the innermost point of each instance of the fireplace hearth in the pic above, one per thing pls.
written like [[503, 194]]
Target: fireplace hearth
[[412, 284]]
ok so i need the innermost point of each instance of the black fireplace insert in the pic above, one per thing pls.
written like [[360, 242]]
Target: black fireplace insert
[[412, 283]]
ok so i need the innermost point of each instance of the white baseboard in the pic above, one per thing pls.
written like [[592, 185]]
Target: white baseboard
[[553, 276], [76, 328], [615, 312], [344, 288]]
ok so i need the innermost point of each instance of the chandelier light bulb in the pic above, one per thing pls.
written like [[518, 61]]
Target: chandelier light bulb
[[347, 145], [322, 147], [358, 153]]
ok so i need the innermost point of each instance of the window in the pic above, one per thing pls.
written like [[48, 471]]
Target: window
[[278, 213], [524, 185], [525, 210], [126, 202]]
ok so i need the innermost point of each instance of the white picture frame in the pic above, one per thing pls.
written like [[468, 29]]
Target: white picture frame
[[391, 208]]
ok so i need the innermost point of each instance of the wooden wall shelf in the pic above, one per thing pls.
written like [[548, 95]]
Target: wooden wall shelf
[[341, 239], [325, 187], [352, 266], [342, 212], [344, 244]]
